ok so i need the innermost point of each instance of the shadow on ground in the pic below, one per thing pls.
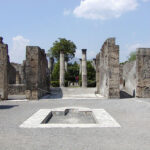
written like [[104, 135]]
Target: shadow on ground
[[55, 93], [7, 106], [124, 95]]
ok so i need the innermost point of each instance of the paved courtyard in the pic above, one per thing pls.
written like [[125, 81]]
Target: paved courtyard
[[133, 115]]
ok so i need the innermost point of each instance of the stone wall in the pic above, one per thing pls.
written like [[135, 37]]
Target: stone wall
[[15, 89], [97, 72], [143, 73], [3, 70], [109, 81], [128, 78], [20, 69], [11, 74], [37, 73]]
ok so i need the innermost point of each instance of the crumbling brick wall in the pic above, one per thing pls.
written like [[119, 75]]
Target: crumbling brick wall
[[20, 71], [3, 70], [37, 77], [129, 78], [109, 81], [143, 73], [97, 72], [11, 74]]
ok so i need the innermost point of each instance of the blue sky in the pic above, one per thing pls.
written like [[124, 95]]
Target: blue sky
[[88, 23]]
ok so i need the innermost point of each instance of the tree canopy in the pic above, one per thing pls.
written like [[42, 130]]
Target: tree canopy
[[132, 56], [67, 46]]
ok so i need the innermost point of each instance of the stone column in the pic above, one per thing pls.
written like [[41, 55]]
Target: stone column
[[80, 66], [62, 69], [94, 63], [84, 69], [66, 66], [3, 70]]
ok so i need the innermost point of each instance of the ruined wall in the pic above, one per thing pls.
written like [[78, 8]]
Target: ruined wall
[[129, 78], [3, 70], [37, 77], [97, 73], [11, 74], [143, 73], [109, 81], [14, 89], [20, 69]]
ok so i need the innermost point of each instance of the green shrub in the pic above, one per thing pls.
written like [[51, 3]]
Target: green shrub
[[91, 83], [80, 82], [66, 83], [55, 83]]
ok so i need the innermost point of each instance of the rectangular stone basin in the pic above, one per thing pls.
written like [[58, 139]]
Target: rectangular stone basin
[[69, 116]]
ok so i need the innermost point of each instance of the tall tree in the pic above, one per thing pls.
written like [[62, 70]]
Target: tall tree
[[67, 46]]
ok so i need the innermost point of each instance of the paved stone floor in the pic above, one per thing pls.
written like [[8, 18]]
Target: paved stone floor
[[132, 114]]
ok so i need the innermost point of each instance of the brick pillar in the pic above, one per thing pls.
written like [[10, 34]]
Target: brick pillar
[[37, 77], [3, 70], [62, 69], [143, 73], [84, 69]]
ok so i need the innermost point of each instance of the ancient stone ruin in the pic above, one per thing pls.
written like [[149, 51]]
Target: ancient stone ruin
[[143, 73], [3, 70], [32, 77], [108, 70], [37, 73]]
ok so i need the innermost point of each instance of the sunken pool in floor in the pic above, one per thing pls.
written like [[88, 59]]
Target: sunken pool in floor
[[70, 116]]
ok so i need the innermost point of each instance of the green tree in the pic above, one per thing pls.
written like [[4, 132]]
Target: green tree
[[132, 56], [91, 73], [55, 73], [67, 46], [73, 71]]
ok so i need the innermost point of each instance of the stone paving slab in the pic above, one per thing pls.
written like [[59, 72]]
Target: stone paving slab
[[132, 114]]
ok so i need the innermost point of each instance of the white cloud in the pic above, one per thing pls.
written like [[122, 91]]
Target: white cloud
[[67, 12], [18, 51], [104, 9]]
